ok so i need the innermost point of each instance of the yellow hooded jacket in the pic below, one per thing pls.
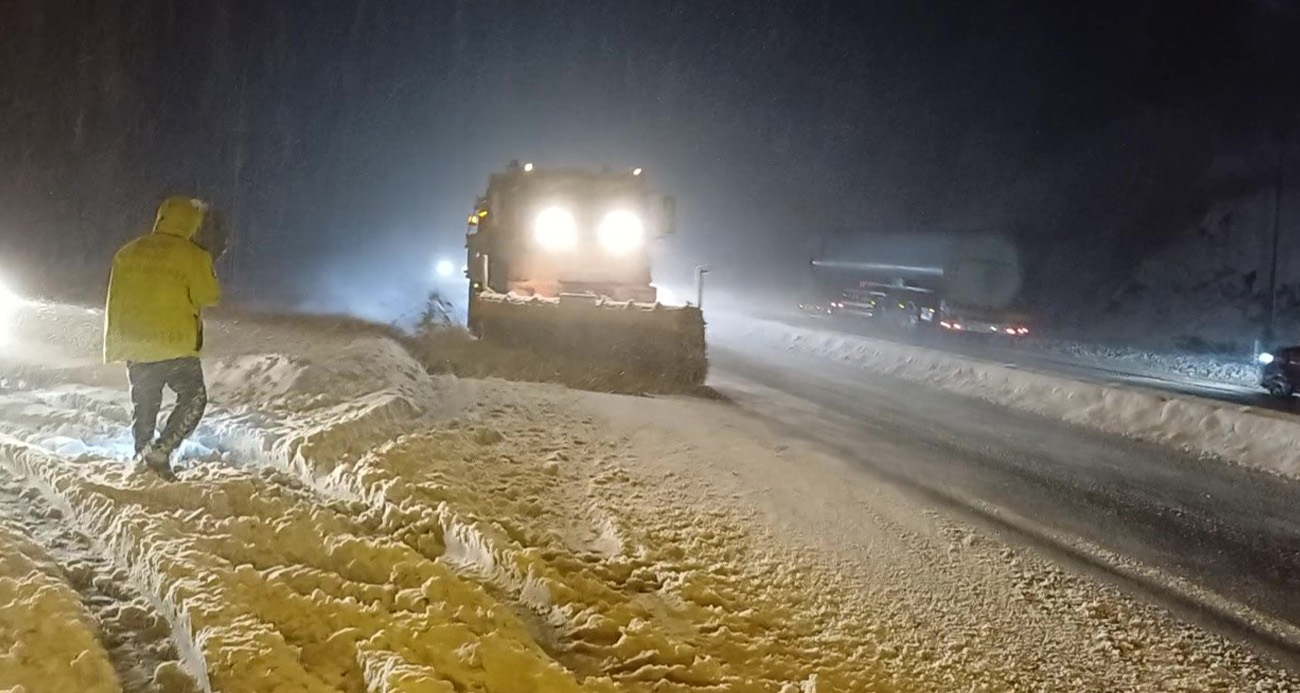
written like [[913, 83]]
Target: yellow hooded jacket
[[160, 283]]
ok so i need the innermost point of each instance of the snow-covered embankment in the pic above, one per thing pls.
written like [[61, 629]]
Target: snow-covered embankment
[[1255, 438]]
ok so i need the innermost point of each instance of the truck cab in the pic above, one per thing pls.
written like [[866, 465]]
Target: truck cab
[[548, 232]]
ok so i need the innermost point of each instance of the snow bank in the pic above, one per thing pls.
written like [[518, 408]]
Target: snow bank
[[47, 641], [1251, 437], [1223, 368]]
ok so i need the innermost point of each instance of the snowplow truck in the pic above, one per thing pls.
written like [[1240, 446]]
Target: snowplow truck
[[558, 262]]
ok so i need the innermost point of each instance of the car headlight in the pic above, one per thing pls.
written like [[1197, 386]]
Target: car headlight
[[1265, 358], [621, 232], [555, 229]]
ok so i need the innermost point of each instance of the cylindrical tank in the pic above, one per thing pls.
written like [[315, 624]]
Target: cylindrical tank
[[974, 268]]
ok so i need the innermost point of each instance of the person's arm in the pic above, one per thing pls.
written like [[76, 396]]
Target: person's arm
[[205, 291]]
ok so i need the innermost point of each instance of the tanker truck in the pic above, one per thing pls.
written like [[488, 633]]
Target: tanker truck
[[961, 282]]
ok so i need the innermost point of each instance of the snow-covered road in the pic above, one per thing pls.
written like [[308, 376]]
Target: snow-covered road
[[1249, 436], [1220, 379], [1218, 541], [349, 523]]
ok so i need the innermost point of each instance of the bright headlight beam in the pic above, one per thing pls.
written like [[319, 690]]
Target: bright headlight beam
[[9, 305], [1265, 358], [555, 229], [445, 268], [9, 301], [621, 232]]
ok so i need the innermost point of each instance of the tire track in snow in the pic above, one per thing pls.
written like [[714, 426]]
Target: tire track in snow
[[268, 587], [134, 635]]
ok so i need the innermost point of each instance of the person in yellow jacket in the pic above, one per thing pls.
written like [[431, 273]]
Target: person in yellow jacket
[[159, 285]]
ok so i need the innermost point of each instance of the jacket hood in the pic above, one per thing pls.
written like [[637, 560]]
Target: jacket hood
[[180, 216]]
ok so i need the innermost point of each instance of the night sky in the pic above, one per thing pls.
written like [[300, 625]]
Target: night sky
[[346, 140]]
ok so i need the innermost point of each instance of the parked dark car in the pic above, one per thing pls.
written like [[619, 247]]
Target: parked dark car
[[1279, 371]]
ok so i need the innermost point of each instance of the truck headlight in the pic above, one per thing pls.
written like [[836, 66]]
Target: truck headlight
[[555, 229], [621, 232], [1265, 358]]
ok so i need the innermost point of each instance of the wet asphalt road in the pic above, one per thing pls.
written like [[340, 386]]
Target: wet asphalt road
[[1223, 528]]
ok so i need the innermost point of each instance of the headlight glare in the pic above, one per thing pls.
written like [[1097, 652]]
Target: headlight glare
[[555, 229], [9, 305], [621, 232]]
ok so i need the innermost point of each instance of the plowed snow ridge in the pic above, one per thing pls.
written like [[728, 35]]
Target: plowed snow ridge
[[47, 639], [1250, 437]]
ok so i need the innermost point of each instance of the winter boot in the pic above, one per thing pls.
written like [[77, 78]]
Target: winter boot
[[159, 462]]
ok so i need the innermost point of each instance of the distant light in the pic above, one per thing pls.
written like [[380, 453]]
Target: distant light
[[482, 214], [9, 301], [1265, 358], [1011, 330], [9, 304], [445, 268], [636, 171], [528, 167]]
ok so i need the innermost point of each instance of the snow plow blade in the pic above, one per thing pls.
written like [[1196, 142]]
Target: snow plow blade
[[620, 345]]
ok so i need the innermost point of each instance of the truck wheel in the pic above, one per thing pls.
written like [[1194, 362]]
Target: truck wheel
[[1281, 389]]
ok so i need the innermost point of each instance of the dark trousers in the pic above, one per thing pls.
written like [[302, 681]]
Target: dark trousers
[[185, 377]]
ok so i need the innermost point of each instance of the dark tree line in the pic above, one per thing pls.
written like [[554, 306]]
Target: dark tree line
[[335, 131]]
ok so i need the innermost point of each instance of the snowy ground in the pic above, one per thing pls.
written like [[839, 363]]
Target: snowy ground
[[46, 633], [1253, 437], [351, 523], [1163, 360], [1227, 368]]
